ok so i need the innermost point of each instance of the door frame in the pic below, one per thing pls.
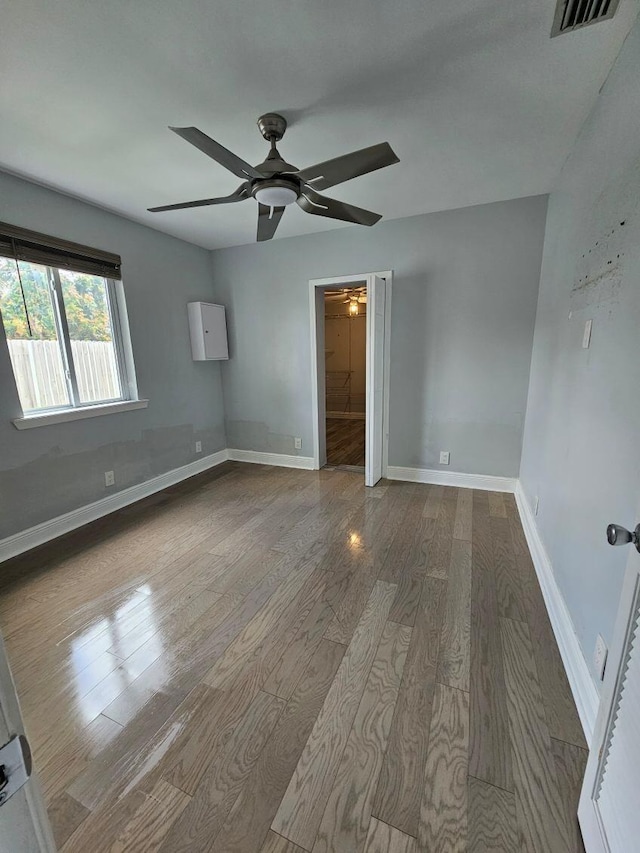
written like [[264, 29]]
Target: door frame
[[593, 832], [317, 286], [26, 810]]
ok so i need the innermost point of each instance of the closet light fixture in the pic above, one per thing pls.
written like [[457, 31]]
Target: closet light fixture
[[353, 306]]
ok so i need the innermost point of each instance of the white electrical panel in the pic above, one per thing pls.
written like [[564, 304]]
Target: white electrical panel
[[208, 328]]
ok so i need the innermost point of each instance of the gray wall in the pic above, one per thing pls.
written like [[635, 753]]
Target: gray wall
[[50, 470], [581, 449], [464, 300]]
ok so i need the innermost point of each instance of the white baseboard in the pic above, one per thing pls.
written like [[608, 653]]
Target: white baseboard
[[281, 460], [346, 416], [584, 691], [41, 533], [452, 478]]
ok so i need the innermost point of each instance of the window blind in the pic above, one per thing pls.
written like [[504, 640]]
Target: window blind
[[54, 252]]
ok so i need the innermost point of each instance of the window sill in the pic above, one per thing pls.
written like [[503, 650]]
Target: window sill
[[60, 417]]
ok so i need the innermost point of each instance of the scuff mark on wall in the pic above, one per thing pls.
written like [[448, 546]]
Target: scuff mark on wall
[[56, 482], [600, 269], [255, 435]]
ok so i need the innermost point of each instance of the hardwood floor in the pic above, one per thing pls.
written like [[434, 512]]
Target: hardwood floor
[[262, 660], [345, 441]]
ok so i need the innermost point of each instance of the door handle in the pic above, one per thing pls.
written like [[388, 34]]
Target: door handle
[[15, 766], [619, 535]]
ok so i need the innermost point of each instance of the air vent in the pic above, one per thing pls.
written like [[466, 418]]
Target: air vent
[[573, 14]]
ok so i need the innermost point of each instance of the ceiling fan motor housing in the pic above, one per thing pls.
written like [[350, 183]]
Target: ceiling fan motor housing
[[272, 126]]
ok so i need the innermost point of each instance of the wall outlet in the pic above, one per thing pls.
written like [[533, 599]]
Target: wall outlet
[[198, 447], [586, 337], [600, 657], [536, 505], [444, 457], [109, 478], [297, 443]]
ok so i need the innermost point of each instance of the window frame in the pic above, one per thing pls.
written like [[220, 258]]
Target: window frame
[[62, 326], [119, 326]]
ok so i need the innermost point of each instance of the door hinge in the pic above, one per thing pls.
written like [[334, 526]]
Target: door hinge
[[15, 766]]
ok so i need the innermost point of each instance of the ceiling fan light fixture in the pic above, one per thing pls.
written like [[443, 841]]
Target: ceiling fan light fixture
[[275, 195]]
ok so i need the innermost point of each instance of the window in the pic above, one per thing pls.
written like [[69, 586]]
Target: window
[[61, 316]]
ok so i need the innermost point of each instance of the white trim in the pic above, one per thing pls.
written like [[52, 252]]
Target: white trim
[[318, 411], [452, 478], [281, 460], [123, 332], [11, 723], [584, 691], [346, 416], [387, 373], [594, 830], [360, 278], [41, 533], [63, 415], [316, 284], [375, 365]]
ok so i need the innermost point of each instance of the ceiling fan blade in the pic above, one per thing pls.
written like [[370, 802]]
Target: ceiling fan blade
[[320, 205], [332, 172], [217, 152], [239, 195], [268, 221]]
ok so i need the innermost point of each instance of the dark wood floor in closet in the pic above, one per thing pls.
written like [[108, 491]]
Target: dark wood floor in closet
[[345, 442]]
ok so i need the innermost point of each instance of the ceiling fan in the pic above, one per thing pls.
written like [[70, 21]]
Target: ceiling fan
[[357, 295], [347, 294], [275, 183]]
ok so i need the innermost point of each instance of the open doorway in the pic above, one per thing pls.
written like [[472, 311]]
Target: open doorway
[[345, 354], [350, 384]]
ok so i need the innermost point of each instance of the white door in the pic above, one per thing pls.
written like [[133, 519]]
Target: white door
[[609, 810], [376, 301], [24, 826]]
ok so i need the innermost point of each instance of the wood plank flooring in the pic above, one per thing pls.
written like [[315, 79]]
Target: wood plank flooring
[[345, 441], [261, 660]]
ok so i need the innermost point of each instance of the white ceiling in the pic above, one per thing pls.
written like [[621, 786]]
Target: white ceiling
[[476, 99]]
